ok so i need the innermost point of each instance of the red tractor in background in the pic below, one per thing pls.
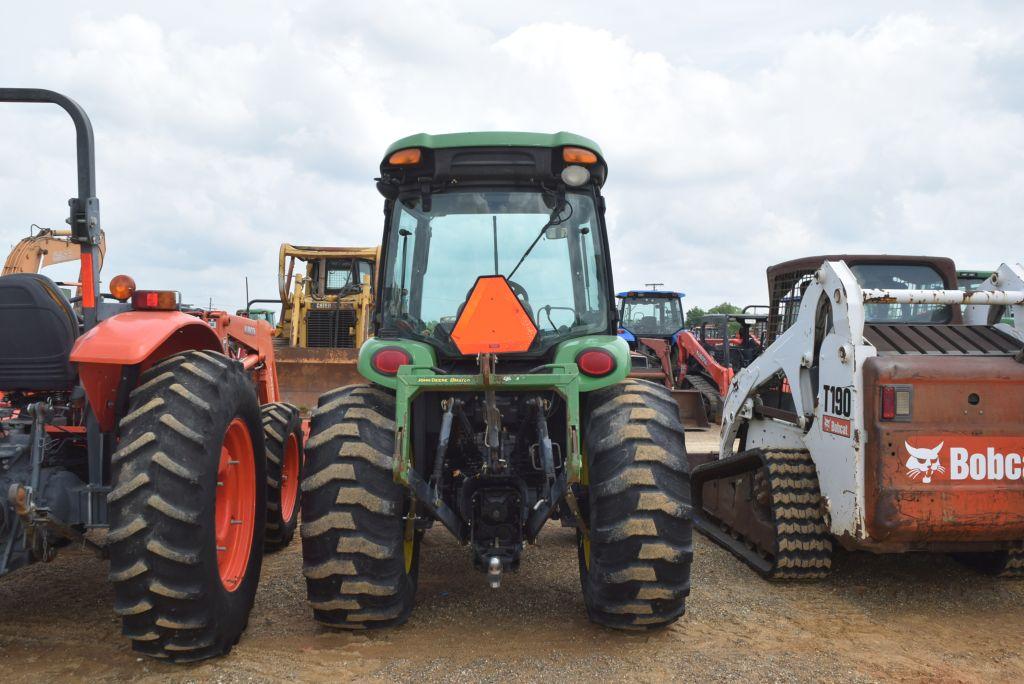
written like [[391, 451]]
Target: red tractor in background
[[709, 354], [149, 435]]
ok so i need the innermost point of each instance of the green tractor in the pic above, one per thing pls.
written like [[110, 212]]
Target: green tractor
[[496, 395]]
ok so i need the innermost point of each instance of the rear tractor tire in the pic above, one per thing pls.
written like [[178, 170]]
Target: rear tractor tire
[[187, 508], [635, 557], [282, 433], [359, 557]]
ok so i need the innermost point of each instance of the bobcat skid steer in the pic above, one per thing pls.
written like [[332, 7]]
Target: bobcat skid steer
[[888, 416]]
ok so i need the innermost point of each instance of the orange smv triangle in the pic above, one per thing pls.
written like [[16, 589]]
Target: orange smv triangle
[[493, 320]]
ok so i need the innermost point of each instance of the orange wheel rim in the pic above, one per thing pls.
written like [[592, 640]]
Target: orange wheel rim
[[235, 510], [290, 478]]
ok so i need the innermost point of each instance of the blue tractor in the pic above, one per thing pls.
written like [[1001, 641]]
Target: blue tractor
[[649, 313]]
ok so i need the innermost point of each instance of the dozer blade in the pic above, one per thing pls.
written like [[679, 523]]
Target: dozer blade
[[304, 374]]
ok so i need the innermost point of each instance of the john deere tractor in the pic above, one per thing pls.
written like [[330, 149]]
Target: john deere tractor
[[496, 395]]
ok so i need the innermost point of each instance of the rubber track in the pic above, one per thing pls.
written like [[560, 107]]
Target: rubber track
[[803, 544], [641, 537], [162, 578], [279, 420], [352, 525]]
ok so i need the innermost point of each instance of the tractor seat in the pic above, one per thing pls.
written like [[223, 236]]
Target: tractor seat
[[37, 330]]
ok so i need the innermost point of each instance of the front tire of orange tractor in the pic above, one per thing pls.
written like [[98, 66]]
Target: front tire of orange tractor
[[187, 508], [282, 432]]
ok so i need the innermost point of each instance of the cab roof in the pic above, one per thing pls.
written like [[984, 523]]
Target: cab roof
[[667, 294], [494, 139]]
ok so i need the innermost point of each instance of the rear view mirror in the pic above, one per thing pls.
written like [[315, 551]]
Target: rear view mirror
[[558, 232]]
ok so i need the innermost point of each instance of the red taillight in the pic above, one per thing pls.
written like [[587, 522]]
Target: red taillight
[[387, 361], [155, 300], [888, 403], [595, 362], [897, 402]]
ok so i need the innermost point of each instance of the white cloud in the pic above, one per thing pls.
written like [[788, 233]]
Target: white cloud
[[735, 139]]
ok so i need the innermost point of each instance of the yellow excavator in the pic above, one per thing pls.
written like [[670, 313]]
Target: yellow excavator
[[326, 305], [45, 247]]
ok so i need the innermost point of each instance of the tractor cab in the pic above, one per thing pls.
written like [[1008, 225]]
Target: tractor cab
[[498, 397], [519, 215], [259, 315], [649, 313]]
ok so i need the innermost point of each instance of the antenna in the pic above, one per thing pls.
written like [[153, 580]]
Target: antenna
[[654, 286]]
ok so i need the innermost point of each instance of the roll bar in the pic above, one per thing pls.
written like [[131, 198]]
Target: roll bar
[[84, 216]]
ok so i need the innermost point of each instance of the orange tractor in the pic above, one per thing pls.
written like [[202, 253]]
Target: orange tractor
[[149, 435], [714, 350]]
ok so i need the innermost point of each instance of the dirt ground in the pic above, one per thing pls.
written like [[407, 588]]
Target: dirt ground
[[908, 618]]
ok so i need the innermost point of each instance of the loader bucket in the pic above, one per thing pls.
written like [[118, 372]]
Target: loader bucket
[[691, 409], [306, 373]]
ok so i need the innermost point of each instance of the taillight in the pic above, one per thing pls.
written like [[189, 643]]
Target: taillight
[[896, 402], [388, 360], [155, 300], [888, 403], [595, 362]]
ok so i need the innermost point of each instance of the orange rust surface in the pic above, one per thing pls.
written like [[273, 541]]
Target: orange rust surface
[[955, 472], [493, 320]]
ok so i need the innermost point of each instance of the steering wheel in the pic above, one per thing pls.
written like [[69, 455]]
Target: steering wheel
[[520, 292], [405, 326]]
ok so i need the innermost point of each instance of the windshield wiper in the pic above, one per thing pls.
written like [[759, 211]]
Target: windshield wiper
[[553, 220]]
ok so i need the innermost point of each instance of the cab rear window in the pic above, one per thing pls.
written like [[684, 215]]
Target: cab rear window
[[902, 277]]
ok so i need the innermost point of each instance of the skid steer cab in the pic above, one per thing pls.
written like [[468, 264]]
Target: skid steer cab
[[885, 415], [149, 435], [496, 395]]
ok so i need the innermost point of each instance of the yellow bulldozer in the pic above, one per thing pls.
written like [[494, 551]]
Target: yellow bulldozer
[[326, 304]]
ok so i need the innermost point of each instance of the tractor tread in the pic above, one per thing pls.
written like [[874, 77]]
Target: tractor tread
[[641, 539], [279, 421], [352, 514], [163, 563]]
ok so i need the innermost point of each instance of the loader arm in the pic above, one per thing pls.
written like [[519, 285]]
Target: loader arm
[[793, 352], [1008, 278]]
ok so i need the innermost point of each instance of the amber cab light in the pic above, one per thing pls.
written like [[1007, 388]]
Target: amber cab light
[[410, 155], [595, 362], [578, 155], [387, 361], [155, 300], [122, 287]]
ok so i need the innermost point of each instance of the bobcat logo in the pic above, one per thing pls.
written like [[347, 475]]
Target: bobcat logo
[[923, 462]]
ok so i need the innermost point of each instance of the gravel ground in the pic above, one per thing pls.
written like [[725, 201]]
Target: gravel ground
[[911, 617]]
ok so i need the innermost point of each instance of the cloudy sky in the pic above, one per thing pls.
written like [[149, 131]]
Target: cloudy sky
[[738, 134]]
